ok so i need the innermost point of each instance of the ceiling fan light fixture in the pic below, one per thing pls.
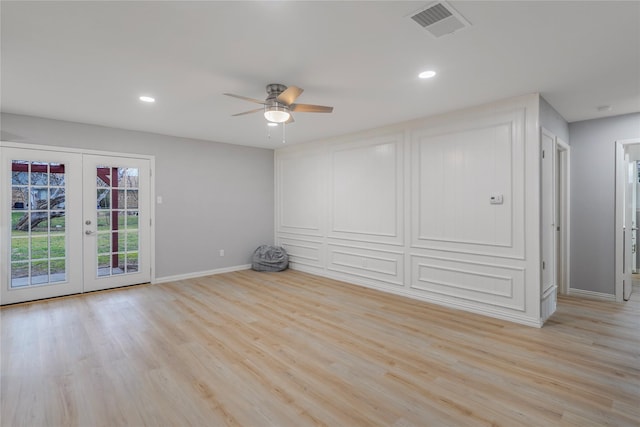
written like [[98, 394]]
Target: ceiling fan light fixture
[[276, 113], [427, 74]]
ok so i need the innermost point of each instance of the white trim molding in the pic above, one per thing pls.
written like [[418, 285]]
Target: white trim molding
[[620, 146], [197, 274], [592, 295]]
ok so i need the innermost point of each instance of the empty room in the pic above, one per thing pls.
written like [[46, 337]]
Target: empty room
[[319, 213]]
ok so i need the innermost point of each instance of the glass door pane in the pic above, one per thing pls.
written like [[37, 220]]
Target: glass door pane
[[41, 195], [38, 239], [118, 238], [117, 227], [74, 222]]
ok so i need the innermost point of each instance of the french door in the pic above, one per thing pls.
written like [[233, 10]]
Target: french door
[[72, 223]]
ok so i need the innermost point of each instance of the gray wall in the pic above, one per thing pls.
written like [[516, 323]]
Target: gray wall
[[593, 199], [551, 120], [215, 196]]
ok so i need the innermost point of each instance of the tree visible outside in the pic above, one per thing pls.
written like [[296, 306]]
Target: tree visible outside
[[38, 226], [38, 242]]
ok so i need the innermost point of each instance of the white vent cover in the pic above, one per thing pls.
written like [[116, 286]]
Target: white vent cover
[[440, 19]]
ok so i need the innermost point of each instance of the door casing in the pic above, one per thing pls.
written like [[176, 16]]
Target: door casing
[[621, 184], [5, 232], [90, 162], [563, 215]]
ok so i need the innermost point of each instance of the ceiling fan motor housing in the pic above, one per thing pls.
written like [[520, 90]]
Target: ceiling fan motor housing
[[275, 89], [276, 111]]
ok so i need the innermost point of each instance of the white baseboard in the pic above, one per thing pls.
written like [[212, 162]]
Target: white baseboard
[[201, 273], [458, 305], [591, 294]]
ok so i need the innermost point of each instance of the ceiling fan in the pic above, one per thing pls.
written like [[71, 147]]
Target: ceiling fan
[[279, 104]]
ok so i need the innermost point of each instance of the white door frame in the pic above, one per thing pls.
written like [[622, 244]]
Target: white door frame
[[71, 281], [92, 281], [633, 169], [548, 222], [36, 147], [564, 215], [621, 173]]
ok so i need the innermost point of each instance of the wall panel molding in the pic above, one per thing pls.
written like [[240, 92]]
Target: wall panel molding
[[382, 266], [497, 285], [406, 209], [366, 190], [300, 195], [456, 169], [303, 252]]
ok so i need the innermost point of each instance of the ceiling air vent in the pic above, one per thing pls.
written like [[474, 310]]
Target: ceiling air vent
[[440, 19]]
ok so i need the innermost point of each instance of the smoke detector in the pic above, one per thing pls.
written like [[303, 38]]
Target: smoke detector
[[440, 19]]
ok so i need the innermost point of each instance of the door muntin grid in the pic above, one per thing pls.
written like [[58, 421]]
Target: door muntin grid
[[117, 232], [38, 224]]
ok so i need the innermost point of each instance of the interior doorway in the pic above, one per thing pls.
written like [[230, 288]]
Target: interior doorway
[[554, 220], [562, 214], [627, 156]]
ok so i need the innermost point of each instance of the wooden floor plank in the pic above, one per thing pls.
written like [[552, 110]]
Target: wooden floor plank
[[292, 349]]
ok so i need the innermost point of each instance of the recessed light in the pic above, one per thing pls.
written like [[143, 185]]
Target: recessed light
[[272, 124], [427, 74], [147, 99]]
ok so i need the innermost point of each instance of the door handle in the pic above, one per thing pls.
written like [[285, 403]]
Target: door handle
[[89, 232]]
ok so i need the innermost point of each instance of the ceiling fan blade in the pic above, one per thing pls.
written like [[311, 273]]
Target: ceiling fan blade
[[257, 101], [289, 95], [249, 112], [290, 119], [309, 108]]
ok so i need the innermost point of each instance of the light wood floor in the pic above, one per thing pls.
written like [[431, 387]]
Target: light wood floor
[[290, 349]]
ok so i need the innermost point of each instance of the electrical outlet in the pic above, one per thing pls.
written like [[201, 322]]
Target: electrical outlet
[[221, 252]]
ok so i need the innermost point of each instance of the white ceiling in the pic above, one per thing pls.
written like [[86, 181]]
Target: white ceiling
[[89, 61]]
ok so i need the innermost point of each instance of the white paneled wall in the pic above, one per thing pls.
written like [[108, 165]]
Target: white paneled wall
[[456, 171], [444, 209], [365, 190], [301, 180]]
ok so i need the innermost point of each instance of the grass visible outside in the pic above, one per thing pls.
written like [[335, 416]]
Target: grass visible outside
[[104, 220], [130, 259], [128, 237], [57, 225], [45, 245]]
